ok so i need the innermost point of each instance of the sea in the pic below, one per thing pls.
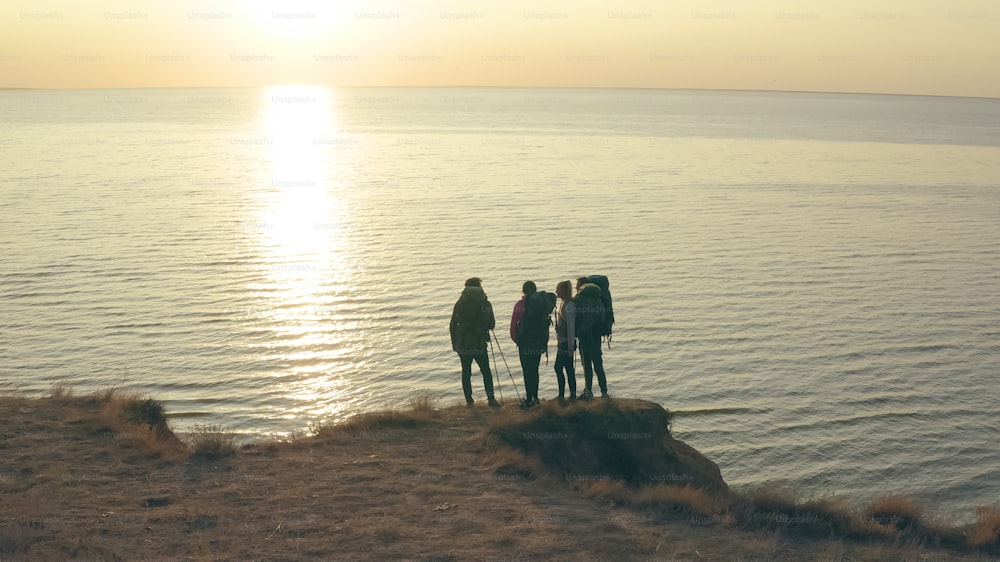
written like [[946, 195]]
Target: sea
[[808, 281]]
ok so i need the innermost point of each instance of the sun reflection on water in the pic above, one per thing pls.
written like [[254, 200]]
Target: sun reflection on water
[[303, 250]]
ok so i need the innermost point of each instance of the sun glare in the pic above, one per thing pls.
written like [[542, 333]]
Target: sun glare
[[298, 20], [303, 241], [296, 117]]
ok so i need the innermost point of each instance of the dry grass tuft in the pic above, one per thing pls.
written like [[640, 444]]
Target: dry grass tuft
[[420, 413], [986, 532], [61, 391], [423, 404], [604, 489], [317, 429], [889, 519], [507, 461], [774, 506], [775, 497], [145, 412], [124, 409], [211, 443], [12, 396], [131, 417], [836, 514], [895, 511], [392, 419], [113, 401], [110, 394], [675, 497]]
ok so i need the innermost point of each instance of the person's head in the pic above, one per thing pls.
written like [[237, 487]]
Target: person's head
[[581, 281], [528, 287], [474, 282], [564, 290]]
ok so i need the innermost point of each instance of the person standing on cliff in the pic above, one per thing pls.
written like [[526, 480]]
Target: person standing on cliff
[[590, 313], [471, 322], [565, 341], [529, 328]]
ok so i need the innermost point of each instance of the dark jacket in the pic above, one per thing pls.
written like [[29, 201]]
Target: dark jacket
[[471, 320]]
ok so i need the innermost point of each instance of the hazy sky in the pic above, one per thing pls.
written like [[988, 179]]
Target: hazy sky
[[890, 46]]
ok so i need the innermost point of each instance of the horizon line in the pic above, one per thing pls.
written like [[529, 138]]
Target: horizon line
[[751, 90]]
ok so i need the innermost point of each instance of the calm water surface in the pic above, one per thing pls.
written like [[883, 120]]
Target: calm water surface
[[808, 280]]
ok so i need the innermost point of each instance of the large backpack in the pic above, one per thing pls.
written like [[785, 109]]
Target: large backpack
[[471, 316], [533, 333], [609, 311], [473, 313], [590, 312]]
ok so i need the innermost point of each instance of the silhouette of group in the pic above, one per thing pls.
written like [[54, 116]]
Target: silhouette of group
[[581, 320]]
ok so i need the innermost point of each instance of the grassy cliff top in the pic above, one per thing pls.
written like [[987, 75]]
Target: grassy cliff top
[[103, 477]]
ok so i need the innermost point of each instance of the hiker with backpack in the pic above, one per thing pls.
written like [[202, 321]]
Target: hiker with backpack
[[529, 328], [591, 324], [565, 341], [471, 322]]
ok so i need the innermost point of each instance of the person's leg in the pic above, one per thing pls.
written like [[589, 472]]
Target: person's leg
[[602, 380], [466, 376], [588, 371], [561, 364], [570, 376], [535, 365], [525, 359], [483, 360]]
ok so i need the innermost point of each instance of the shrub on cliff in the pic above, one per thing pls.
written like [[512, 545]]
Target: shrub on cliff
[[626, 440]]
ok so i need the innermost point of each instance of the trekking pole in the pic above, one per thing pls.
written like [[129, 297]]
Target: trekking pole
[[506, 365], [496, 370]]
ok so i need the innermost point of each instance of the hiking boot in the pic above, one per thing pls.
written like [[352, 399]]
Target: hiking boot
[[586, 395], [493, 403], [527, 404], [470, 403], [572, 397], [605, 395]]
